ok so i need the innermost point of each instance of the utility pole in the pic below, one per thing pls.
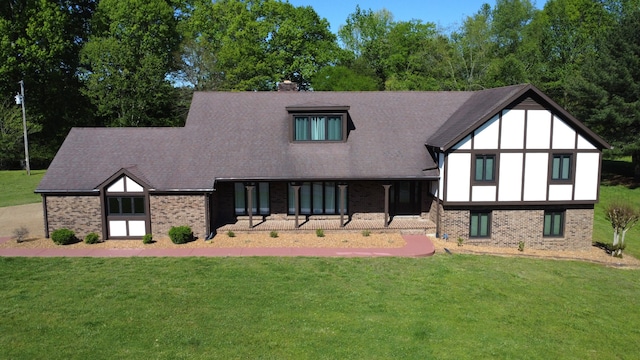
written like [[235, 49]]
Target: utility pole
[[20, 101]]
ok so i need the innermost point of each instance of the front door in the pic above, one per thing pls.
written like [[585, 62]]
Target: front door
[[405, 198]]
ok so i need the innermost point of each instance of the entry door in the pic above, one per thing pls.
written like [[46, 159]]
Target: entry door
[[405, 198]]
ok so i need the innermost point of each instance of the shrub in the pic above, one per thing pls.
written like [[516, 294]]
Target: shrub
[[366, 233], [460, 240], [273, 234], [63, 236], [92, 238], [320, 233], [521, 245], [147, 239], [20, 233], [231, 234], [180, 234]]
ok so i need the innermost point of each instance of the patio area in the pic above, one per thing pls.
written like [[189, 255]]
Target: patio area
[[405, 224]]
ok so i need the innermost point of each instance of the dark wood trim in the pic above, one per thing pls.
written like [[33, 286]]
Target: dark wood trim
[[496, 160], [489, 222], [386, 204], [292, 126], [296, 203], [249, 192], [45, 214], [342, 198], [316, 108], [104, 205], [540, 205]]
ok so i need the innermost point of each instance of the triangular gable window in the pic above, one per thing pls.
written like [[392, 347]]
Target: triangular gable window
[[125, 185]]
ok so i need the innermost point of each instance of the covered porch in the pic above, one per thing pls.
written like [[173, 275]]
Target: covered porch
[[412, 224]]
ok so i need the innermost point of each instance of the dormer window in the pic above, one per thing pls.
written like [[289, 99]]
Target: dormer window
[[318, 128], [318, 122]]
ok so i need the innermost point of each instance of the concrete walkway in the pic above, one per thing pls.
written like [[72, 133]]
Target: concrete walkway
[[416, 246]]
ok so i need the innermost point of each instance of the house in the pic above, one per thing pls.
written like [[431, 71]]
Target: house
[[495, 166]]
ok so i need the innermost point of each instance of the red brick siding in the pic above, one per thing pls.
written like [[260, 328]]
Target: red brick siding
[[78, 213], [509, 227], [178, 210]]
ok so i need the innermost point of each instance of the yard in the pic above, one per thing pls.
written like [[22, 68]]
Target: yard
[[445, 307]]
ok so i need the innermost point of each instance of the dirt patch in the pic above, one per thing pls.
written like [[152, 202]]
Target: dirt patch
[[593, 254]]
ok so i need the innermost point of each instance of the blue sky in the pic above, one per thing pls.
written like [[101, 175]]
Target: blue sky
[[448, 15]]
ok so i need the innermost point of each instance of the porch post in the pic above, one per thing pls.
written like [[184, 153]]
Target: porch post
[[296, 199], [386, 204], [343, 189], [250, 203]]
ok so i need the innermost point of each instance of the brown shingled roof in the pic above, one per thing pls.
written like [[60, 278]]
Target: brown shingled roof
[[245, 136]]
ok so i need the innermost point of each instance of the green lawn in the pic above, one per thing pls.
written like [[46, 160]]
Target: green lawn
[[617, 184], [443, 307], [17, 187]]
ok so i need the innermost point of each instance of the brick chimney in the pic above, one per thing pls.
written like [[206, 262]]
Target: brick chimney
[[287, 85]]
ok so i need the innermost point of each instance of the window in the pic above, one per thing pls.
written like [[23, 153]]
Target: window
[[480, 224], [259, 199], [316, 198], [126, 205], [561, 167], [553, 223], [485, 168], [318, 128]]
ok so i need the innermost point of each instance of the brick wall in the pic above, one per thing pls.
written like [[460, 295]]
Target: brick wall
[[78, 213], [178, 210], [509, 227]]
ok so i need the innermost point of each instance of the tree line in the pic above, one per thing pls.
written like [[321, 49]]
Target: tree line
[[136, 62]]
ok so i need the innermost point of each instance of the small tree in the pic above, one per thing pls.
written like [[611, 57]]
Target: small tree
[[622, 217]]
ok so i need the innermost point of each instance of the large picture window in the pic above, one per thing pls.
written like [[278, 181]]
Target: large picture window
[[318, 128], [316, 198], [259, 199], [561, 167], [485, 168], [480, 224], [553, 223], [126, 205]]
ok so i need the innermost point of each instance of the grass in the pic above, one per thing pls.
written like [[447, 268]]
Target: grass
[[17, 187], [444, 307], [617, 184]]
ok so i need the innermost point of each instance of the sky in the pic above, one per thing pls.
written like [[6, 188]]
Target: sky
[[447, 15]]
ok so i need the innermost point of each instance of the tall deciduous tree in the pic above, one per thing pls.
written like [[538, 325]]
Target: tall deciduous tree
[[127, 60], [366, 35], [472, 51], [252, 45], [39, 43]]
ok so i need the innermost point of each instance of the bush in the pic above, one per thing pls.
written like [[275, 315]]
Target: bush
[[180, 234], [521, 246], [273, 234], [63, 236], [92, 238], [147, 239], [231, 234], [20, 233], [320, 233], [366, 233], [460, 240]]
